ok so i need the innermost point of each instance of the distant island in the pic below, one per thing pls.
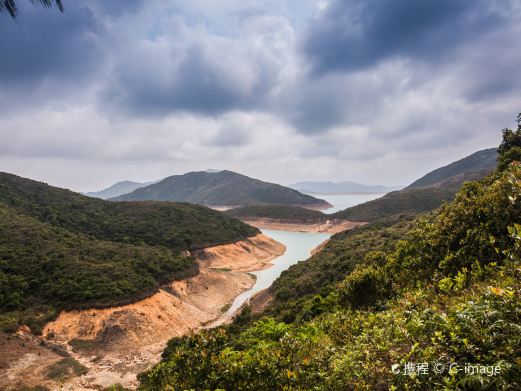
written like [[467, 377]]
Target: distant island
[[117, 189], [345, 187]]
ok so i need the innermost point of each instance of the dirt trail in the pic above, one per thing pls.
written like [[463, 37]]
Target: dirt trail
[[115, 344]]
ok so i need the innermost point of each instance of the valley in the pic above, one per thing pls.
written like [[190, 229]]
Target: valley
[[97, 347], [433, 274], [299, 246], [114, 344], [284, 262], [317, 195]]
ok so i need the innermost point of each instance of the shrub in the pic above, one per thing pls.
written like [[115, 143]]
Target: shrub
[[365, 287]]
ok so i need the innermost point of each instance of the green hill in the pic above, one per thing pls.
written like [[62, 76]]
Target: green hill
[[59, 249], [442, 288], [407, 201], [223, 188], [284, 212], [176, 226], [481, 162], [340, 255], [44, 269], [428, 192]]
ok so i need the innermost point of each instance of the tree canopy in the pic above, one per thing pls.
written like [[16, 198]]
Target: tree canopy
[[510, 148]]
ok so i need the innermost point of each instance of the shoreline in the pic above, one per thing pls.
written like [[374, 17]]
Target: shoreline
[[251, 296], [328, 226], [319, 207]]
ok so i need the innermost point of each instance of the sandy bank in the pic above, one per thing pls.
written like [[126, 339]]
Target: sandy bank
[[329, 226], [248, 255], [117, 343], [320, 206]]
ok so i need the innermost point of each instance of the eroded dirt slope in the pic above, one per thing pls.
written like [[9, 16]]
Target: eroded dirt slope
[[115, 344]]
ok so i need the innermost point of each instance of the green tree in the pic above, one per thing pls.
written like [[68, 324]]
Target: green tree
[[510, 148]]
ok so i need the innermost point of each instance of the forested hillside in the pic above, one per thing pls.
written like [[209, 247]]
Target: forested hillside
[[61, 250], [320, 273], [285, 212], [444, 291], [428, 192], [484, 161], [408, 201], [222, 188], [174, 225]]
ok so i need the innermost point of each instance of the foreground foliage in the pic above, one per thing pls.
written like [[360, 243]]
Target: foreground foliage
[[447, 296]]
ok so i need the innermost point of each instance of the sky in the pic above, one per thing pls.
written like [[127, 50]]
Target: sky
[[373, 91]]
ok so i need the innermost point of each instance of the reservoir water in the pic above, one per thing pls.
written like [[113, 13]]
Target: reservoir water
[[298, 248]]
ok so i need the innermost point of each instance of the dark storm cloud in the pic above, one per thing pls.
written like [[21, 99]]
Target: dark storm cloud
[[194, 84], [43, 44], [192, 69], [490, 70], [356, 34]]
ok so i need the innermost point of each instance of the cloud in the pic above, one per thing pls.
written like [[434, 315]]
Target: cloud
[[190, 69], [315, 105], [373, 91], [43, 44], [355, 34], [117, 8], [49, 58]]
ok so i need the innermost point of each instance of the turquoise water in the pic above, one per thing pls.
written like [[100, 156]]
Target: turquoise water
[[298, 248], [298, 245]]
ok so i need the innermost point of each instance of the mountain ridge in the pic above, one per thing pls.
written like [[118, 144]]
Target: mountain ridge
[[220, 189], [428, 192], [485, 159]]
